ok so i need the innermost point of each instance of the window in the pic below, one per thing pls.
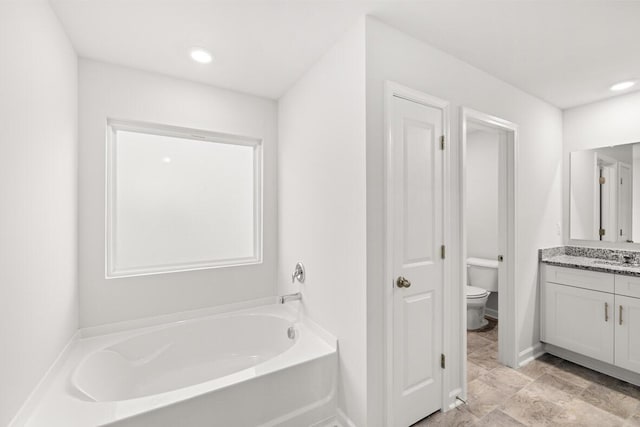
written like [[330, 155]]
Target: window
[[181, 199]]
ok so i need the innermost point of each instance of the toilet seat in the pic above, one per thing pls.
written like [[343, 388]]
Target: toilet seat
[[474, 292]]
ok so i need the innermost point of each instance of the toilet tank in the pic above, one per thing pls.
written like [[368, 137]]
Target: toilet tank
[[483, 273]]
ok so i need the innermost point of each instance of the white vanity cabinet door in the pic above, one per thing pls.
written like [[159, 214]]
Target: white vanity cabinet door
[[627, 333], [579, 320]]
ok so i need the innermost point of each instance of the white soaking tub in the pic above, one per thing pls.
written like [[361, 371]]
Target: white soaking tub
[[244, 368]]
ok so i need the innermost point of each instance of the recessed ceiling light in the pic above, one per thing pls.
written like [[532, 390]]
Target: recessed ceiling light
[[622, 85], [201, 55]]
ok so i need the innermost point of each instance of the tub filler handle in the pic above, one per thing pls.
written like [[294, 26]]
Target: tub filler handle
[[298, 273]]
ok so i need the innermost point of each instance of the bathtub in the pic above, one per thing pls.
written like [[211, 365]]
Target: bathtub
[[254, 367]]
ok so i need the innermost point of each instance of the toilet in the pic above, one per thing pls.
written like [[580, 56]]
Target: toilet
[[482, 277]]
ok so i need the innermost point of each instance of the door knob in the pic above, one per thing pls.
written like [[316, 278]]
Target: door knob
[[401, 282]]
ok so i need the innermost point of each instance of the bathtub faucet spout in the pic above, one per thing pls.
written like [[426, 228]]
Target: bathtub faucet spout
[[291, 297]]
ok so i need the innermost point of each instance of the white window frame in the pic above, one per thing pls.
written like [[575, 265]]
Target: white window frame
[[116, 125]]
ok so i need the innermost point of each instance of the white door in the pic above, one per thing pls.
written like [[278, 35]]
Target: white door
[[625, 217], [584, 198], [579, 320], [417, 224], [628, 333], [608, 204]]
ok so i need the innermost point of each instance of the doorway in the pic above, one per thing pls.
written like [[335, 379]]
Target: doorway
[[488, 241]]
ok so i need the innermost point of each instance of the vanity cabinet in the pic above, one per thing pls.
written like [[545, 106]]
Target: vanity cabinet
[[579, 320], [592, 313], [627, 333]]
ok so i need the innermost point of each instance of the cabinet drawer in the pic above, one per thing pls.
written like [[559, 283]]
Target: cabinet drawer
[[627, 285], [594, 280]]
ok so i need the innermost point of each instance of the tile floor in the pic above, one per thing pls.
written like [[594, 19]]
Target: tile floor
[[547, 392]]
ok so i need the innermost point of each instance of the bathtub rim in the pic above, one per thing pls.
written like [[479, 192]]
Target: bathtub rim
[[59, 365], [75, 373]]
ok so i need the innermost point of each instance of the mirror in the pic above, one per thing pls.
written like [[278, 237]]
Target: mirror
[[605, 194]]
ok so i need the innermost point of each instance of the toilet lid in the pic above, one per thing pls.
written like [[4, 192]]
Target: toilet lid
[[482, 262], [474, 292]]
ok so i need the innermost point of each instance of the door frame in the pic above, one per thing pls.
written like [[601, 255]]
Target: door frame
[[508, 353], [621, 212], [391, 90]]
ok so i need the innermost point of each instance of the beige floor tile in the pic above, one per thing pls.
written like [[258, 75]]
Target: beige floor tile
[[476, 342], [483, 398], [486, 357], [531, 409], [579, 413], [555, 389], [634, 421], [625, 388], [474, 371], [458, 417], [490, 331], [549, 391], [580, 374], [497, 418], [506, 379], [574, 374], [610, 400], [538, 367]]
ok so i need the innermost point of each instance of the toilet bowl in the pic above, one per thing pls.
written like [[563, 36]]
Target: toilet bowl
[[482, 280], [476, 303]]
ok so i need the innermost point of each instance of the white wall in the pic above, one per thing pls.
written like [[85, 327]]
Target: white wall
[[109, 91], [635, 193], [621, 153], [38, 292], [613, 121], [483, 151], [322, 201], [482, 194], [392, 55]]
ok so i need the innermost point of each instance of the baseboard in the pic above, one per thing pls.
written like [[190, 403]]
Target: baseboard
[[530, 354], [490, 312], [596, 365], [28, 407], [343, 420]]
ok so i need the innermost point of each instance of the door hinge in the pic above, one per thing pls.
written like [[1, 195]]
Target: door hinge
[[442, 361], [601, 232], [603, 180], [442, 142], [442, 251]]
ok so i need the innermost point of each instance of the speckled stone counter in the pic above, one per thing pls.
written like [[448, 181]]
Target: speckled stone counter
[[594, 259]]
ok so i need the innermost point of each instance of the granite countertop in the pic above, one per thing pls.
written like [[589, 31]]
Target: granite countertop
[[594, 259]]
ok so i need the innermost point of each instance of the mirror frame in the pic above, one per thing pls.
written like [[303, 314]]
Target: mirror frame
[[566, 203]]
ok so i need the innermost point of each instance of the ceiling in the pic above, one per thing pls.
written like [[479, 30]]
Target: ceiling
[[567, 52]]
